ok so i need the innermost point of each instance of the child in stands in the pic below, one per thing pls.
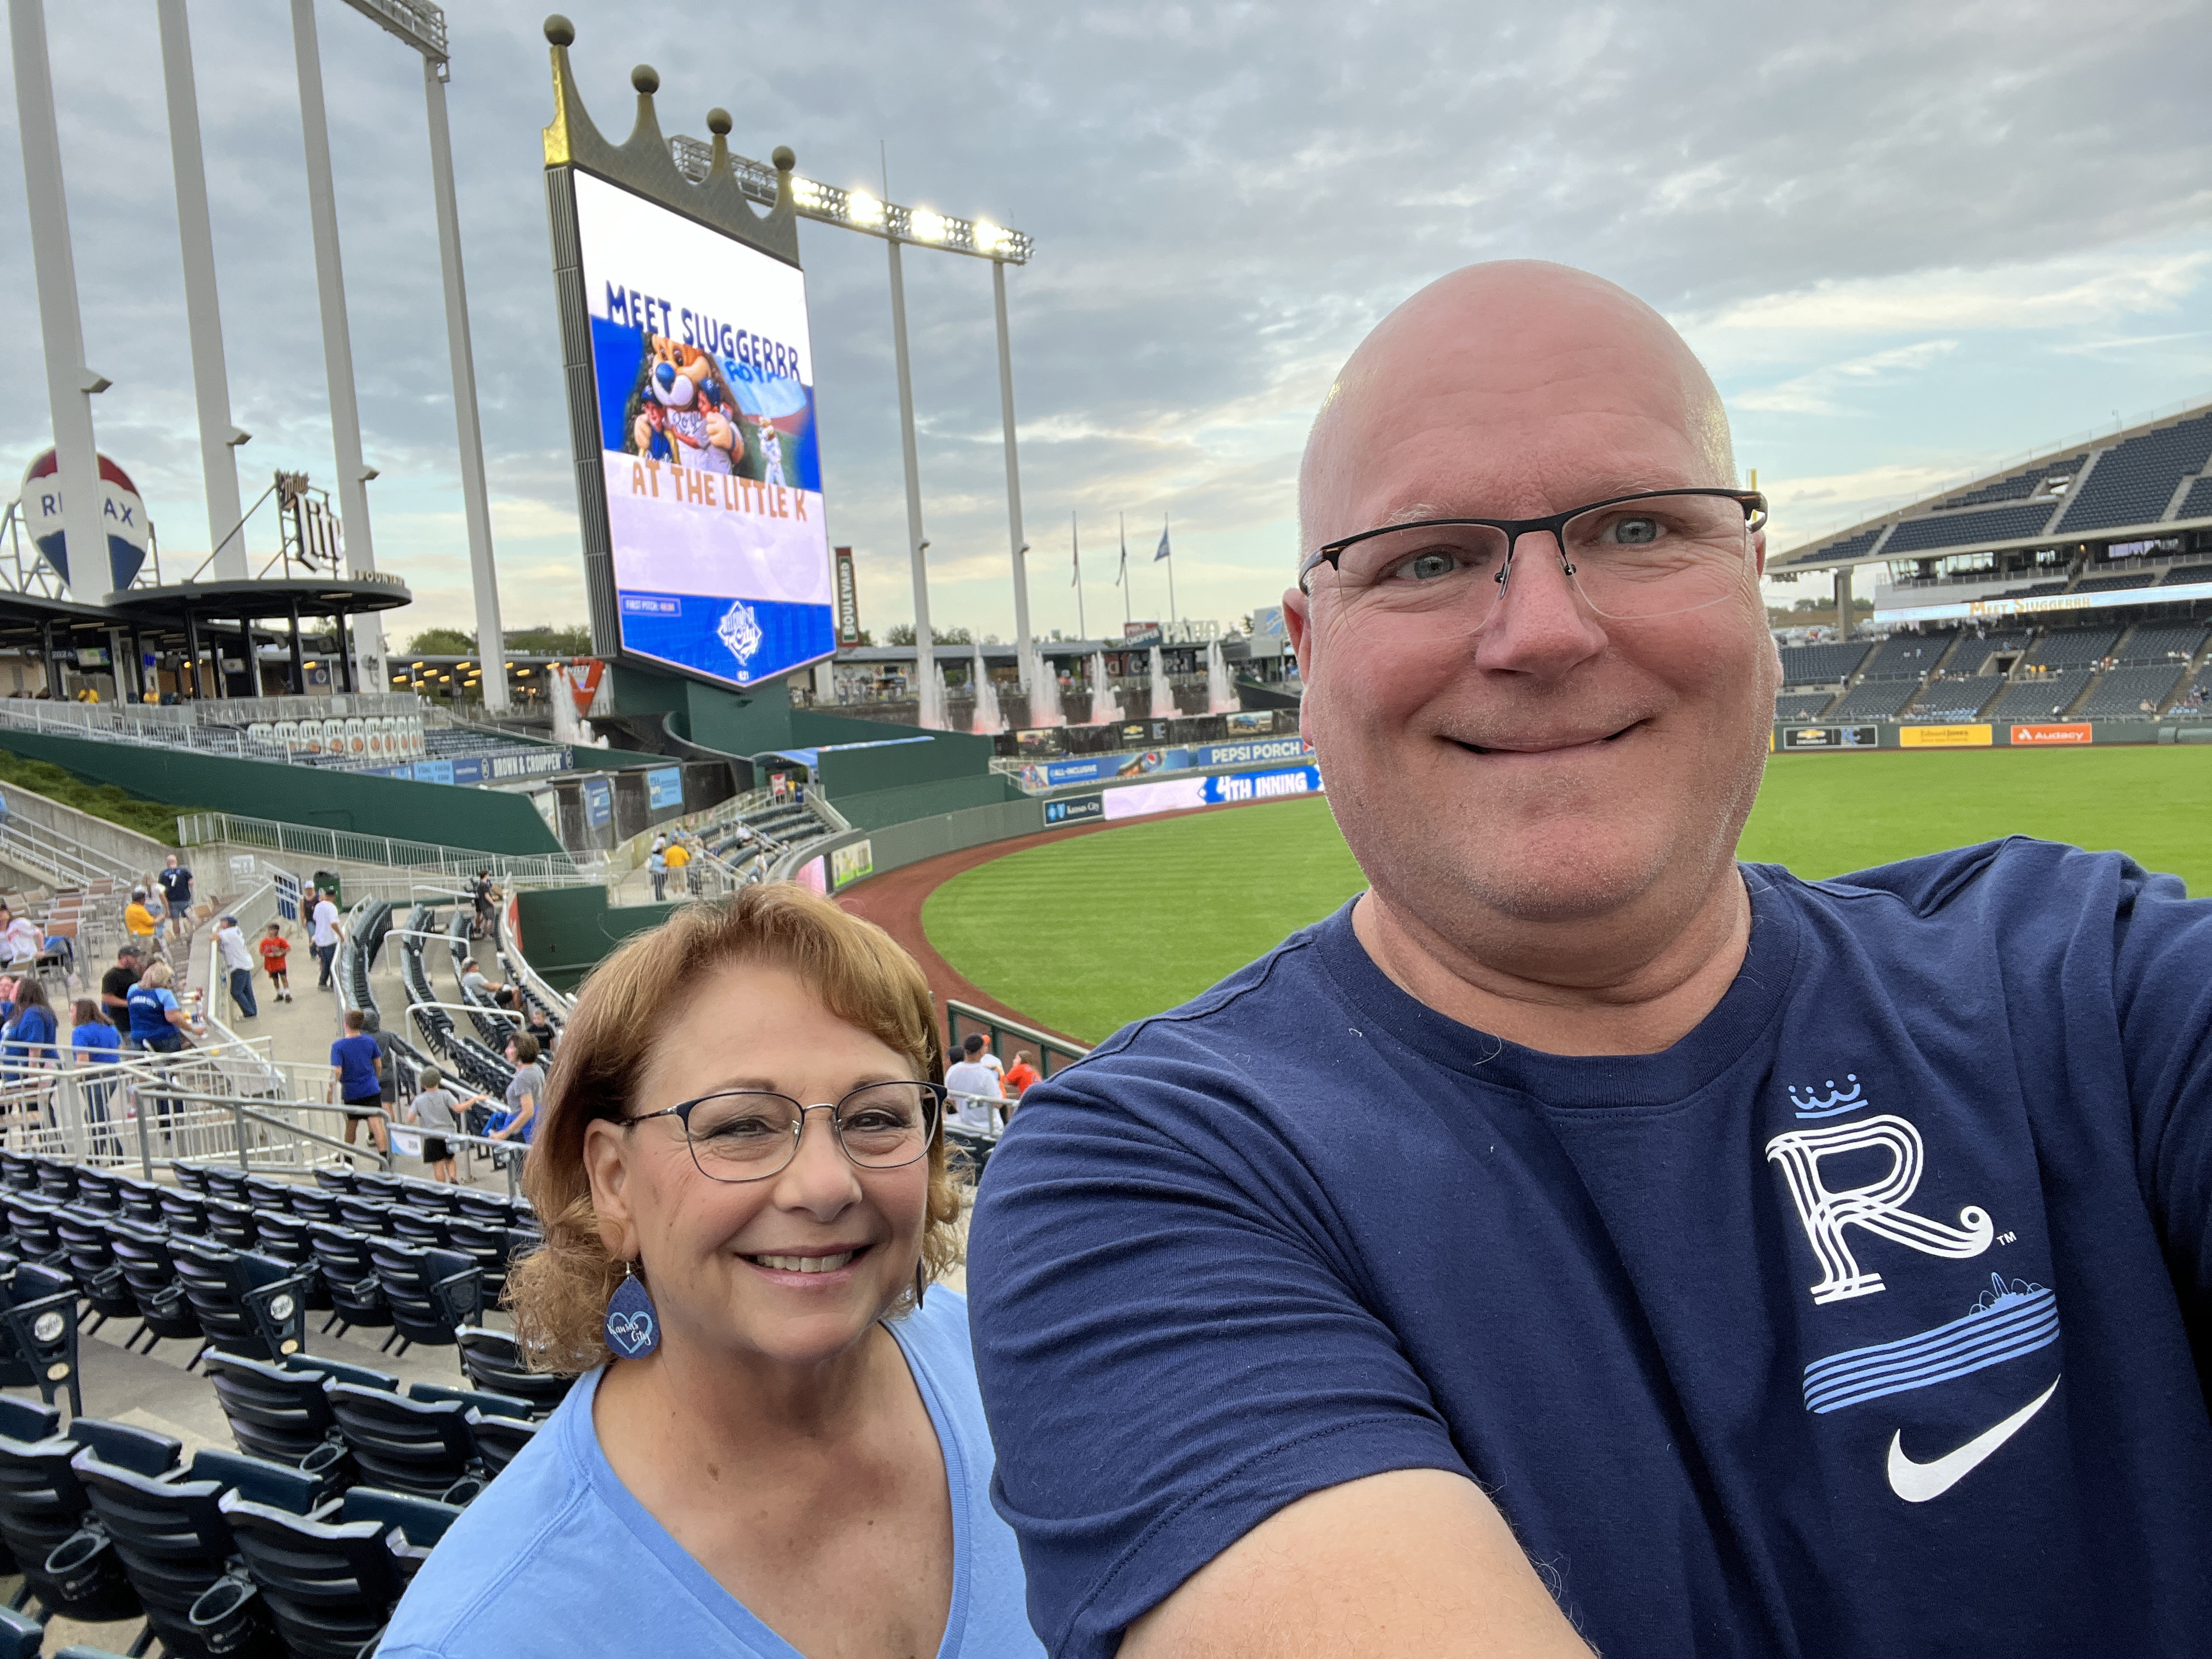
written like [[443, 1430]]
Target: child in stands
[[274, 951]]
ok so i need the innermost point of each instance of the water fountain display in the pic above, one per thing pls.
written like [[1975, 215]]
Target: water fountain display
[[986, 721], [1163, 707], [1221, 696], [1105, 701], [1045, 692]]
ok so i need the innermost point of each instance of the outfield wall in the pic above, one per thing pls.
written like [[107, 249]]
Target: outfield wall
[[484, 820], [1833, 737], [870, 850]]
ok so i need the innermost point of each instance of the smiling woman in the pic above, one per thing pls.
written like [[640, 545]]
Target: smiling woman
[[776, 1444]]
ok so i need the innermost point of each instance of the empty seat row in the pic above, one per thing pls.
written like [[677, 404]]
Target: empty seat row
[[232, 1554]]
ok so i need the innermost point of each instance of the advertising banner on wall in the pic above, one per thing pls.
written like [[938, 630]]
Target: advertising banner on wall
[[2033, 737], [1076, 809], [599, 802], [1831, 737], [1181, 794], [1052, 774], [704, 379], [663, 788], [1944, 737], [848, 599], [849, 864]]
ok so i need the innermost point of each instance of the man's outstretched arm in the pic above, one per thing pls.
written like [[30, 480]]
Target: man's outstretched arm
[[1415, 1562]]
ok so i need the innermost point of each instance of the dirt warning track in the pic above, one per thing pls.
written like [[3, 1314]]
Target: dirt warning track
[[893, 901]]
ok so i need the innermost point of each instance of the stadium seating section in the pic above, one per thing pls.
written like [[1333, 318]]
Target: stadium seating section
[[1948, 699], [2121, 694], [1801, 705], [302, 1540], [1820, 665], [2174, 643], [1875, 700], [1908, 656], [2019, 485], [2132, 483], [2073, 648], [1974, 650], [2044, 696]]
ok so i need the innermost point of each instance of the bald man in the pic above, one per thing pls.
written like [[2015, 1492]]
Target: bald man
[[1582, 1240]]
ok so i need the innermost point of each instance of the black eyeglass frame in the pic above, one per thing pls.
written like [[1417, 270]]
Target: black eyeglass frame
[[936, 1093], [1753, 502]]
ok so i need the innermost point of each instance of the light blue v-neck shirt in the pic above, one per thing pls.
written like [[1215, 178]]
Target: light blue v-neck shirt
[[556, 1557]]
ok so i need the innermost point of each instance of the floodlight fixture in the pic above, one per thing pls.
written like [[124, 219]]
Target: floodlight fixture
[[95, 382], [861, 209]]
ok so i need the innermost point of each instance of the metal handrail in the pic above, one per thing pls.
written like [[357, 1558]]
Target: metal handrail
[[314, 841], [996, 1025]]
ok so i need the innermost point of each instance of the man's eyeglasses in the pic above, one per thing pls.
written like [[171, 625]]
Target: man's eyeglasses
[[1655, 553], [749, 1135]]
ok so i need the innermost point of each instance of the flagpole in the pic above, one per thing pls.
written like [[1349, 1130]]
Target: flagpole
[[1172, 609], [1075, 542], [1123, 579]]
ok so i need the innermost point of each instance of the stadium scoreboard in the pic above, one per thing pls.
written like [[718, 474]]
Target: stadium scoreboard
[[690, 385]]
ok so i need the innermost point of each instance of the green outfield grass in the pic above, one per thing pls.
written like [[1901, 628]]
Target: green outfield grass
[[1087, 934]]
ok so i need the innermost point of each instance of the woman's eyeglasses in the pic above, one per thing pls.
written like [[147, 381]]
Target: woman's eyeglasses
[[749, 1134]]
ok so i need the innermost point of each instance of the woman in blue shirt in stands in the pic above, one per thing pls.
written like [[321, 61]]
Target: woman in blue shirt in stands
[[776, 1447]]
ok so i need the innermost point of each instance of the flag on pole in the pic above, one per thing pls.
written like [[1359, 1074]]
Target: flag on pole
[[1165, 551], [1124, 570]]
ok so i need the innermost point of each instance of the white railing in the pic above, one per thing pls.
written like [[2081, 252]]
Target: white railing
[[313, 841]]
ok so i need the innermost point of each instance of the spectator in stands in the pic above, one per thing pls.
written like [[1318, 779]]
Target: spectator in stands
[[439, 1114], [677, 859], [158, 1021], [524, 1091], [30, 1040], [974, 1087], [476, 987], [96, 1043], [275, 952], [387, 1060], [656, 866], [324, 937], [115, 988], [20, 940], [230, 940], [795, 1459], [1019, 1076], [482, 894], [356, 1067], [1510, 1216], [139, 922], [176, 883]]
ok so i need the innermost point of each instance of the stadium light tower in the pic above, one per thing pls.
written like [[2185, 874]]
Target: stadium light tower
[[980, 239], [70, 385], [219, 438], [422, 25]]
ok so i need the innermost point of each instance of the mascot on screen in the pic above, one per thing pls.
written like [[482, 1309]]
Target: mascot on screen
[[679, 411]]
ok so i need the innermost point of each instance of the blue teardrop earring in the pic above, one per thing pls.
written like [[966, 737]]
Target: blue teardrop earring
[[633, 1332]]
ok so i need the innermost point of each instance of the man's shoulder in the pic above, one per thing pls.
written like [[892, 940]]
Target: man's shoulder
[[2016, 886]]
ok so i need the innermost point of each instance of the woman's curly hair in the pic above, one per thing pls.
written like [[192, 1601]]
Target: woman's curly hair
[[559, 1294]]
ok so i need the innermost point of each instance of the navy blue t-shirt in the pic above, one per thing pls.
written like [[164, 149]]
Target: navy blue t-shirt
[[1859, 1322], [355, 1058]]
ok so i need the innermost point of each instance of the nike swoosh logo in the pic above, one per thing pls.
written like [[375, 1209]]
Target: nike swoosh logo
[[1915, 1483]]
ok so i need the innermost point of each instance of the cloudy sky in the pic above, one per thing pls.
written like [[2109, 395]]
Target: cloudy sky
[[1913, 242]]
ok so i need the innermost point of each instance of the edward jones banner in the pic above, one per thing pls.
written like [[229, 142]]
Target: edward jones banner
[[2031, 737], [704, 377], [1945, 737]]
